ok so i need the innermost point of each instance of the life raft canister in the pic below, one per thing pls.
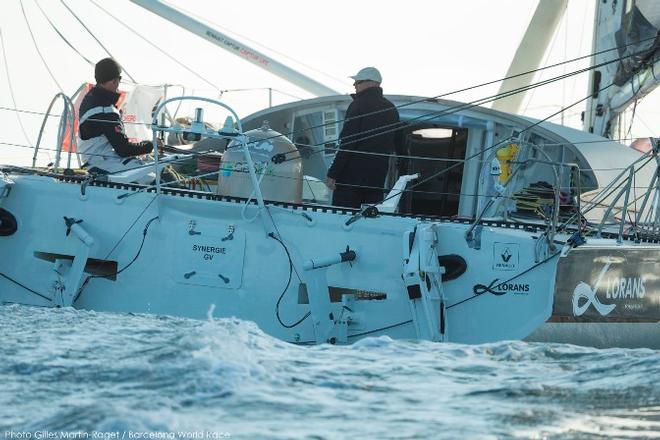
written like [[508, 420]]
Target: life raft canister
[[279, 181]]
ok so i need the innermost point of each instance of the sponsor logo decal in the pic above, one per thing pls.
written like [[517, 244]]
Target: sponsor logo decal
[[616, 288], [264, 146], [497, 288], [505, 256]]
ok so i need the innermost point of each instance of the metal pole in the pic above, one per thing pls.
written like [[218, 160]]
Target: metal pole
[[236, 47]]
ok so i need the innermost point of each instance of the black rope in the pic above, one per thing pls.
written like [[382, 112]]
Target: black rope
[[380, 329], [24, 286], [144, 236], [451, 110], [479, 289], [498, 96], [288, 283], [479, 153], [458, 108]]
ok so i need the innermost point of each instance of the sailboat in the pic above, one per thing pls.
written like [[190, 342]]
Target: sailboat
[[494, 226]]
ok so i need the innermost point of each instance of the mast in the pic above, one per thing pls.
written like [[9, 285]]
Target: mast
[[530, 52], [236, 47]]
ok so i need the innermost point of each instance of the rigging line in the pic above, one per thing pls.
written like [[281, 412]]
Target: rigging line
[[451, 167], [512, 197], [554, 144], [24, 287], [36, 46], [356, 335], [493, 97], [288, 283], [201, 18], [477, 295], [144, 236], [567, 222], [251, 89], [156, 47], [130, 227], [451, 110], [62, 35], [30, 112], [632, 118], [472, 87], [645, 125], [600, 201], [195, 154], [11, 91], [457, 161], [464, 106], [425, 99], [282, 243], [94, 37], [581, 40], [546, 57]]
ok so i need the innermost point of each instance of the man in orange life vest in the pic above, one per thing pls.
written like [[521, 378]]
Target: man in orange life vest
[[103, 145]]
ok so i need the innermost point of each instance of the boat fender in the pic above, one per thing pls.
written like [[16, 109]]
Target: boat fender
[[454, 265], [8, 224]]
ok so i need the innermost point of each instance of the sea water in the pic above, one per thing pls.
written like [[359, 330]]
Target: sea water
[[67, 373]]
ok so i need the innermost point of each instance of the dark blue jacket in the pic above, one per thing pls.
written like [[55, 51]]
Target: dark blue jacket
[[371, 126], [109, 124]]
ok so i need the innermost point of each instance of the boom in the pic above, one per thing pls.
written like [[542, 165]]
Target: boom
[[236, 47]]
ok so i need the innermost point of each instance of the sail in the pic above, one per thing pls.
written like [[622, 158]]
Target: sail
[[638, 39]]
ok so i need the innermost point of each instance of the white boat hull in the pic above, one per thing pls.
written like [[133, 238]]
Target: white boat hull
[[184, 267]]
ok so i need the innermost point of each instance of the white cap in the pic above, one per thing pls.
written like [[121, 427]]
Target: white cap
[[368, 74]]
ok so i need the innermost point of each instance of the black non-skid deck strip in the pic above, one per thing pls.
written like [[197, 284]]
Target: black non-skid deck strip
[[529, 227]]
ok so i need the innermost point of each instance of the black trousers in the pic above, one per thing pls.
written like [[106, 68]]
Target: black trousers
[[355, 197]]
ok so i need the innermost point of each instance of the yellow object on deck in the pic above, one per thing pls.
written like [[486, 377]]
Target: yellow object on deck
[[505, 156]]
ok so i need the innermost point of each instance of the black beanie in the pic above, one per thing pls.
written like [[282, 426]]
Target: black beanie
[[107, 69]]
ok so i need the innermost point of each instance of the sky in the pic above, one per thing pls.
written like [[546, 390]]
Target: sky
[[426, 48]]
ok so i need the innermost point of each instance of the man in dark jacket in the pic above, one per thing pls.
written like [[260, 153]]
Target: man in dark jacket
[[370, 127], [103, 144]]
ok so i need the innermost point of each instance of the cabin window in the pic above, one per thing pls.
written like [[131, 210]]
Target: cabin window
[[314, 132]]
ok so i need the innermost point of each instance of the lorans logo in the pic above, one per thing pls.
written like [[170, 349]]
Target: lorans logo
[[616, 288]]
